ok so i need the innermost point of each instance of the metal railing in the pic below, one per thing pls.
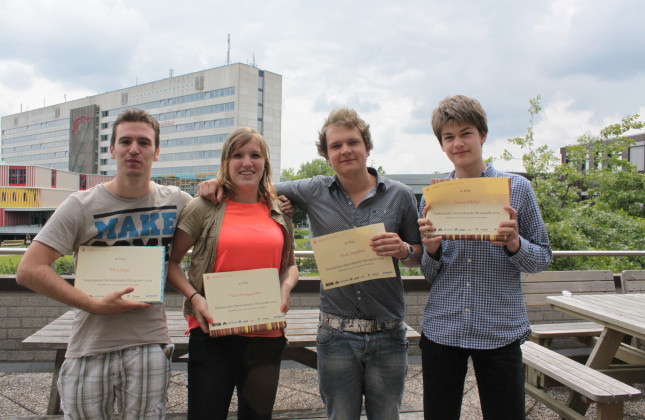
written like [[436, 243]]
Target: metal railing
[[556, 254]]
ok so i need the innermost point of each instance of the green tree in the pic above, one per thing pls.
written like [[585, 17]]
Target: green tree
[[594, 200], [318, 166]]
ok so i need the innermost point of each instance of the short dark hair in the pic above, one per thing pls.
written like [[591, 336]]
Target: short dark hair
[[348, 118], [461, 110], [135, 115]]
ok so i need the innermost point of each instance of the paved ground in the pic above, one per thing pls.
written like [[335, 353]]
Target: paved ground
[[24, 390]]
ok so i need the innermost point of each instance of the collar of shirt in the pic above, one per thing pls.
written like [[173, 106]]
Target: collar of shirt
[[488, 172], [381, 182]]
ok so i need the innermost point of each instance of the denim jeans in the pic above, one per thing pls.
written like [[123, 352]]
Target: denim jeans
[[499, 373], [352, 365], [217, 365]]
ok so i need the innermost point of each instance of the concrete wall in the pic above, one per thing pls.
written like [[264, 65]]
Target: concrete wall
[[23, 312]]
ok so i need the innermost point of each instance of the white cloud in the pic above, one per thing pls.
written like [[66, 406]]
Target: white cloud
[[22, 89], [392, 61]]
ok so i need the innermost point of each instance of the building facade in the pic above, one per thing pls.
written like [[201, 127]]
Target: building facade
[[30, 194], [196, 112], [634, 153]]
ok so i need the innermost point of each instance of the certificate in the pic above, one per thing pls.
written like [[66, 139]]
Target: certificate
[[104, 269], [244, 301], [346, 257], [469, 208]]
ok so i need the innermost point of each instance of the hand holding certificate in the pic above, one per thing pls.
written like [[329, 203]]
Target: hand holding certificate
[[346, 257], [244, 301], [468, 208], [101, 270]]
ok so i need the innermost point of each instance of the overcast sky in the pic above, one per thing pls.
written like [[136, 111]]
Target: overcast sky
[[392, 61]]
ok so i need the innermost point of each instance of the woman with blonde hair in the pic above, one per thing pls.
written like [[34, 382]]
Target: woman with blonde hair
[[246, 231]]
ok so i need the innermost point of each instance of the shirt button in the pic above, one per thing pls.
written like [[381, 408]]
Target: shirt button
[[359, 298], [467, 310], [469, 260], [468, 284], [358, 292]]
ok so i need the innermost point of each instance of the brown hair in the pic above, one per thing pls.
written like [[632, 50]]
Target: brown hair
[[234, 141], [461, 110], [135, 115], [348, 118]]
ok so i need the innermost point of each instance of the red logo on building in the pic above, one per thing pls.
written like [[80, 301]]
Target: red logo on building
[[78, 121]]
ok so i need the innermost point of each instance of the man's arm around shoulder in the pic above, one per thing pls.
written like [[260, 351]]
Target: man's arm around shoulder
[[36, 273]]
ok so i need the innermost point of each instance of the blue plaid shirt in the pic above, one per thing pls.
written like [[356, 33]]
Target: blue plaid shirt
[[476, 296]]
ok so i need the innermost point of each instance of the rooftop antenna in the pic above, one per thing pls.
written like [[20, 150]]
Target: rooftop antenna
[[254, 60], [228, 53], [171, 72]]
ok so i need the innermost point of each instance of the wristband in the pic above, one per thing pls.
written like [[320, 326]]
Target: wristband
[[190, 299]]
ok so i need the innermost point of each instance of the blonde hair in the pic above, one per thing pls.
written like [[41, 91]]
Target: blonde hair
[[234, 141], [346, 117]]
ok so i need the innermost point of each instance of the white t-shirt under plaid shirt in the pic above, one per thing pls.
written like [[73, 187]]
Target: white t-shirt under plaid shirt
[[476, 299]]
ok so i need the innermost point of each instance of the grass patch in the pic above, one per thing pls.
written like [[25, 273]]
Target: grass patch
[[9, 264], [302, 241]]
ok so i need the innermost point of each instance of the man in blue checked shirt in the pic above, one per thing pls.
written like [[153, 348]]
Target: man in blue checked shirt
[[475, 308]]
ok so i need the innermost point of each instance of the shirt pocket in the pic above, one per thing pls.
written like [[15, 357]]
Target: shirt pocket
[[383, 215]]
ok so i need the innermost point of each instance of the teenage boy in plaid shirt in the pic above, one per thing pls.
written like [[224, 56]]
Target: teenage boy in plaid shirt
[[476, 308]]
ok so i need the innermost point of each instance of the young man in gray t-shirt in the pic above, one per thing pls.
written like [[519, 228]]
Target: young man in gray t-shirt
[[116, 349]]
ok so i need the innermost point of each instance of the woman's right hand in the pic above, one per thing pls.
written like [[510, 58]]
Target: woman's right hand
[[200, 309]]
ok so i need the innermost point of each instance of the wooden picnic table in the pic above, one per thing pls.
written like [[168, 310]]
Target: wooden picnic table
[[620, 315], [302, 326]]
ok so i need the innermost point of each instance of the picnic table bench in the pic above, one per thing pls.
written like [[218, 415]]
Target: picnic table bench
[[609, 393], [12, 242], [536, 287], [302, 326]]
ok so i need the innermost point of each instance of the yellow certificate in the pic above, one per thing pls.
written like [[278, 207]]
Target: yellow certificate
[[244, 301], [104, 269], [346, 257], [469, 208]]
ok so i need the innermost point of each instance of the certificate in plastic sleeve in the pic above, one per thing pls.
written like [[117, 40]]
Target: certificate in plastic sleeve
[[468, 209], [104, 269], [346, 257], [244, 301]]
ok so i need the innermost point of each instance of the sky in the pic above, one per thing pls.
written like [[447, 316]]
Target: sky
[[392, 61]]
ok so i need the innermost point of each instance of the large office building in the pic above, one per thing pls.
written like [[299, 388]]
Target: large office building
[[196, 111]]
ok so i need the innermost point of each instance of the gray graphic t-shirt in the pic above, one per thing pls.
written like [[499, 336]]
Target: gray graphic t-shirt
[[98, 218]]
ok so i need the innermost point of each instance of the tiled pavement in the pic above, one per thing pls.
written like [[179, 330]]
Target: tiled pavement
[[24, 395]]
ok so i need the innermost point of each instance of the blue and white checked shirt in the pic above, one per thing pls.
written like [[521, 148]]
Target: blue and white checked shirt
[[330, 209], [476, 299]]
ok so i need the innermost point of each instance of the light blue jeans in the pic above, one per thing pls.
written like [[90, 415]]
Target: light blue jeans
[[352, 365]]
